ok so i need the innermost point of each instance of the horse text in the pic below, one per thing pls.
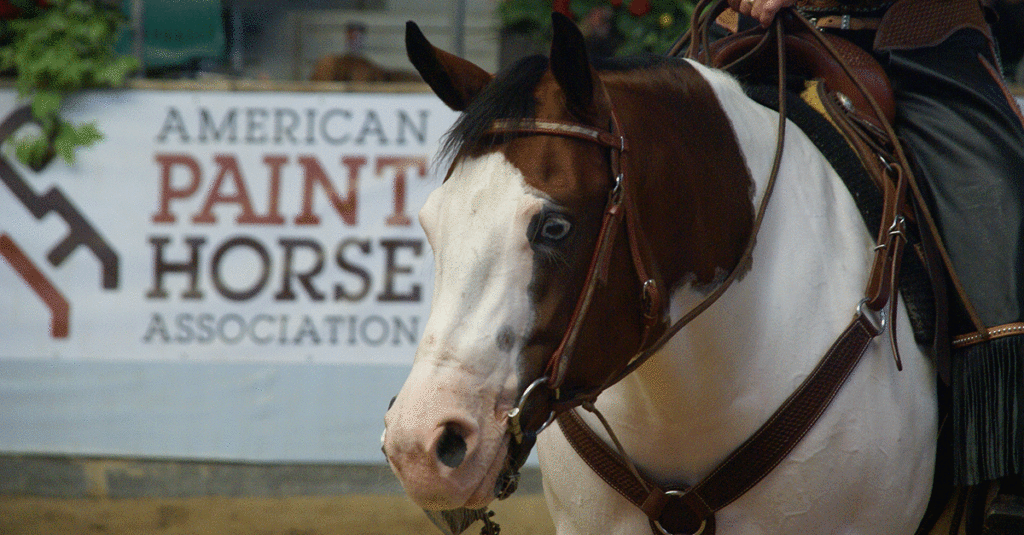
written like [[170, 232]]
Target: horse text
[[242, 268]]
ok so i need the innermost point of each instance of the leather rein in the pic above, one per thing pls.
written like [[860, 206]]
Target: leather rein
[[691, 509]]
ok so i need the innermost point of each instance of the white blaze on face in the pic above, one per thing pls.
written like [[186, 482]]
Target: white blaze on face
[[445, 435]]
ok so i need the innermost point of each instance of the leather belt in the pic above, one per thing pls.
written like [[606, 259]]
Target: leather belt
[[846, 22]]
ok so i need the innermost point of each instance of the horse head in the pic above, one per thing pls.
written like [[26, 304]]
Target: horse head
[[517, 230]]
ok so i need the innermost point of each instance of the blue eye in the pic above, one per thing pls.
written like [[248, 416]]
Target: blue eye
[[555, 228], [549, 229]]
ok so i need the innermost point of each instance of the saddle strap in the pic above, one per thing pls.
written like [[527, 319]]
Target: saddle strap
[[690, 510]]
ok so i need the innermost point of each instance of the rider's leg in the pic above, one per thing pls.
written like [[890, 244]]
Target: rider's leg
[[967, 135]]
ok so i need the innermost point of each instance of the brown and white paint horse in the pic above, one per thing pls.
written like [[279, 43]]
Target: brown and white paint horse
[[513, 228]]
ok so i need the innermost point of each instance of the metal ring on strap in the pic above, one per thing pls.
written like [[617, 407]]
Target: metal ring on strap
[[661, 530], [516, 414]]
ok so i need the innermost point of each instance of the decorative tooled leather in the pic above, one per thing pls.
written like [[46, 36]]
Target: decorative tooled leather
[[911, 24], [906, 24], [805, 55]]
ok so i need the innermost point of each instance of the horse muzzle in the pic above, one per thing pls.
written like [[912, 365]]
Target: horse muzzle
[[444, 459]]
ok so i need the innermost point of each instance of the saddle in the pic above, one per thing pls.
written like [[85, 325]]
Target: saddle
[[839, 79], [744, 55], [849, 88]]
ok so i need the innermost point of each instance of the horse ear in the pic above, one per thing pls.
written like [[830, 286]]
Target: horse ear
[[453, 79], [571, 65]]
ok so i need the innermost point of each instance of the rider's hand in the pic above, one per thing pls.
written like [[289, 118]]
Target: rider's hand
[[762, 10]]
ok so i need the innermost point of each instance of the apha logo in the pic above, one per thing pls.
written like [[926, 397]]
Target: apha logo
[[80, 233]]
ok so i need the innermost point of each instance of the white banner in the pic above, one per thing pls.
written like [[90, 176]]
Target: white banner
[[223, 227]]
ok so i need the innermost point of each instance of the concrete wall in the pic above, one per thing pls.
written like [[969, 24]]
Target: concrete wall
[[77, 477]]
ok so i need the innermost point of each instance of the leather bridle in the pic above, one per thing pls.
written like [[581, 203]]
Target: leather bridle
[[691, 509], [620, 207], [620, 210]]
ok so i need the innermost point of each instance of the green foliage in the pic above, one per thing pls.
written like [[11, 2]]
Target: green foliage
[[62, 48], [636, 26], [526, 16]]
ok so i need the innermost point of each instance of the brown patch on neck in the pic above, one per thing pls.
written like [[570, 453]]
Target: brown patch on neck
[[690, 178]]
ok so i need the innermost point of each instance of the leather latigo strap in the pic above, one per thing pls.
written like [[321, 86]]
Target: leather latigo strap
[[688, 510]]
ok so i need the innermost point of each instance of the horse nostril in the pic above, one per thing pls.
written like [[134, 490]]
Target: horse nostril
[[451, 448]]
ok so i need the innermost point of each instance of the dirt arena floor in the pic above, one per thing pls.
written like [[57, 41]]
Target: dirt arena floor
[[338, 515]]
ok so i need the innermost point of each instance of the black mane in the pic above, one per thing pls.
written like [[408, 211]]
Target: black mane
[[510, 96]]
